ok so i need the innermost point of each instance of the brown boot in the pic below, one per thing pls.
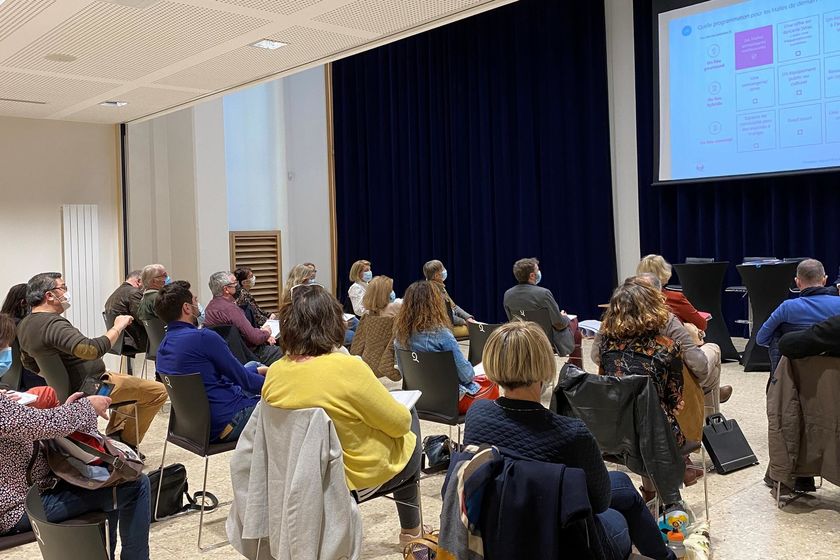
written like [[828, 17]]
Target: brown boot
[[692, 472]]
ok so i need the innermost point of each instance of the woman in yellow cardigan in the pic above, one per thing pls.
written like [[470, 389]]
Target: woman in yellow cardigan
[[379, 436]]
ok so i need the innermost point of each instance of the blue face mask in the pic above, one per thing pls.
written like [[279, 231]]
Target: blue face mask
[[443, 275], [167, 281], [367, 276], [200, 314], [392, 297], [5, 360], [538, 279]]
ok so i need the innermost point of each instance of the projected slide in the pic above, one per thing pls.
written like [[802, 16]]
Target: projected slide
[[749, 87]]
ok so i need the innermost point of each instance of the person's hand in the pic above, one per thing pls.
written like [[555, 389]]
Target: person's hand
[[471, 320], [11, 395], [562, 312], [680, 406], [271, 340], [266, 328], [122, 321], [74, 397], [272, 317], [262, 370], [100, 405]]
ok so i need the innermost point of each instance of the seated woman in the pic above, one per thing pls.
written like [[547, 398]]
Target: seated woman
[[375, 333], [302, 274], [518, 357], [20, 427], [674, 299], [360, 275], [422, 325], [435, 272], [253, 311], [15, 306], [379, 436]]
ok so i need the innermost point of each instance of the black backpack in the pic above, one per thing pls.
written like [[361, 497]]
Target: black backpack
[[173, 490]]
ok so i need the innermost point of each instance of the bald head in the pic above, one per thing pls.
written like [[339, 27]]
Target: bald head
[[810, 273]]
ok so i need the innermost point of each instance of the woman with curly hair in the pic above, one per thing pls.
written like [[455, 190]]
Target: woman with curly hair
[[423, 325], [630, 343]]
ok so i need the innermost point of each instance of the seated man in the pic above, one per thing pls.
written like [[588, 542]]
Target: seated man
[[815, 303], [126, 301], [528, 296], [222, 310], [436, 273], [701, 359], [154, 277], [822, 338], [233, 390], [45, 332]]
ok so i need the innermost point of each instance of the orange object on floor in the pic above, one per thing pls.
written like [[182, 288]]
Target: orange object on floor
[[46, 397], [487, 391]]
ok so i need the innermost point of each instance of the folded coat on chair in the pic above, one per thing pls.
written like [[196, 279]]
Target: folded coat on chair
[[290, 490]]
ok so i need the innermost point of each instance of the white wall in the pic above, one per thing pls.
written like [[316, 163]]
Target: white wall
[[621, 75], [44, 164]]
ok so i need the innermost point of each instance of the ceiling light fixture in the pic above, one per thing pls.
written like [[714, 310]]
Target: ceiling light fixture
[[114, 103], [268, 44]]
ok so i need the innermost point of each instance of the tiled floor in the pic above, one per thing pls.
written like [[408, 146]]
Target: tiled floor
[[746, 525]]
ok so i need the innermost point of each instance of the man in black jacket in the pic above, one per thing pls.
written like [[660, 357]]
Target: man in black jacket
[[822, 338], [125, 301]]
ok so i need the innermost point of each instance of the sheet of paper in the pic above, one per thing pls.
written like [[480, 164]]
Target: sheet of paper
[[23, 398], [348, 316], [407, 398], [275, 327], [479, 370]]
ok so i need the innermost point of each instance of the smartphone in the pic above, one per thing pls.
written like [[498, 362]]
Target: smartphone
[[105, 389]]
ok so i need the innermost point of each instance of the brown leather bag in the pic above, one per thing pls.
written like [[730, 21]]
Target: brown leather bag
[[122, 463]]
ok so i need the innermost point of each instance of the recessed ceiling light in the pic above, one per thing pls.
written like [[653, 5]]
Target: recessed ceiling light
[[58, 57], [114, 103], [268, 44]]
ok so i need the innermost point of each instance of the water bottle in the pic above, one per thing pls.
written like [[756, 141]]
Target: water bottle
[[675, 543]]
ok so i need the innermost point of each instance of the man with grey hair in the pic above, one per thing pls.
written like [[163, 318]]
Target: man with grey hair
[[223, 311], [815, 304], [154, 277], [125, 300]]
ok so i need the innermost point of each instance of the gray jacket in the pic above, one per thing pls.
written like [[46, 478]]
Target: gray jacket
[[530, 297], [290, 490]]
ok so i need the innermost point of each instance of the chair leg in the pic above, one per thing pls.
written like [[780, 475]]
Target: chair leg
[[160, 480], [203, 501], [137, 426], [143, 369], [705, 481], [459, 434]]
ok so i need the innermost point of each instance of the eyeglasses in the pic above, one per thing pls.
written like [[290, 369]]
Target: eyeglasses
[[64, 287]]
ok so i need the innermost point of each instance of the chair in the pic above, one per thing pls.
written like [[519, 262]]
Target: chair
[[118, 348], [12, 378], [18, 539], [479, 333], [53, 370], [155, 330], [436, 376], [189, 428], [234, 341], [84, 538]]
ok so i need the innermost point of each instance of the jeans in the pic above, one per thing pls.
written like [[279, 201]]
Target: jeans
[[642, 527], [238, 422], [350, 332], [132, 514], [617, 545], [409, 514]]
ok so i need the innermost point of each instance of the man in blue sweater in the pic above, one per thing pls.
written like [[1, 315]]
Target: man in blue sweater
[[233, 390], [815, 303]]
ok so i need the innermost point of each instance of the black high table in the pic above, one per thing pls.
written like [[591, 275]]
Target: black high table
[[768, 285], [702, 284]]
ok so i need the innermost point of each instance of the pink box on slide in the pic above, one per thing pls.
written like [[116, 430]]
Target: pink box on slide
[[754, 47]]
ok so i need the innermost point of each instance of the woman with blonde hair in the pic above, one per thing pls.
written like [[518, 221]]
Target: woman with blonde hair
[[675, 300], [304, 274], [375, 333], [360, 275], [423, 325], [518, 356]]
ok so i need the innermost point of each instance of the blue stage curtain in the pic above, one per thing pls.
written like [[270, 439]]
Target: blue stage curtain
[[479, 143], [783, 216]]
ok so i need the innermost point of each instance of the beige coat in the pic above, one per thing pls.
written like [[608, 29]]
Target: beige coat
[[804, 419]]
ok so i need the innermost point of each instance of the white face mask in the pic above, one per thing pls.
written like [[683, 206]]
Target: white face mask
[[64, 301], [253, 281]]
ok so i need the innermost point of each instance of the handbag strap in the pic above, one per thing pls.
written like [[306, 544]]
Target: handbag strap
[[116, 462], [427, 540], [192, 501]]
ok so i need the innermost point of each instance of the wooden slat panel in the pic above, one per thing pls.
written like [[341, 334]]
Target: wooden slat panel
[[260, 251]]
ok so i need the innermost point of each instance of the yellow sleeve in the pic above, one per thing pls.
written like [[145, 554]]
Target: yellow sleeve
[[375, 405]]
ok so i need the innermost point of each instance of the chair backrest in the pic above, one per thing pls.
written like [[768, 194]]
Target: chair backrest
[[539, 316], [189, 418], [234, 341], [698, 260], [77, 541], [13, 376], [156, 330], [436, 375], [55, 374], [117, 347], [479, 333]]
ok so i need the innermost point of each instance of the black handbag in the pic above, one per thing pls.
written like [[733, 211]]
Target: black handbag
[[173, 490], [726, 445]]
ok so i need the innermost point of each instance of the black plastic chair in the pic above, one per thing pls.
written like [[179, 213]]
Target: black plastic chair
[[539, 316], [155, 331], [234, 341], [436, 376], [479, 333], [84, 538], [118, 348], [189, 428], [12, 378]]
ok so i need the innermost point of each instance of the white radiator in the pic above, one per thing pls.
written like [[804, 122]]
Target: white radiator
[[80, 236]]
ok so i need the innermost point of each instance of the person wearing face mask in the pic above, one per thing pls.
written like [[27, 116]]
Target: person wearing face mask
[[125, 300], [15, 306], [375, 333], [528, 296], [246, 301], [233, 390], [44, 332], [435, 272], [154, 277], [360, 275]]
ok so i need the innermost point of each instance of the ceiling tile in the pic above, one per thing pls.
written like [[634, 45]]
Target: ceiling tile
[[17, 13], [57, 93], [141, 102], [285, 7], [376, 16]]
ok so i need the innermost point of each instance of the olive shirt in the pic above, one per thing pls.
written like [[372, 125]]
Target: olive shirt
[[44, 334], [146, 309]]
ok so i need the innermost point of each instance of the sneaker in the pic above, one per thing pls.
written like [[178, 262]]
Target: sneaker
[[406, 538]]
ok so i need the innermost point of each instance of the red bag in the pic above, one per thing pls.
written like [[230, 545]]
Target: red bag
[[487, 390]]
